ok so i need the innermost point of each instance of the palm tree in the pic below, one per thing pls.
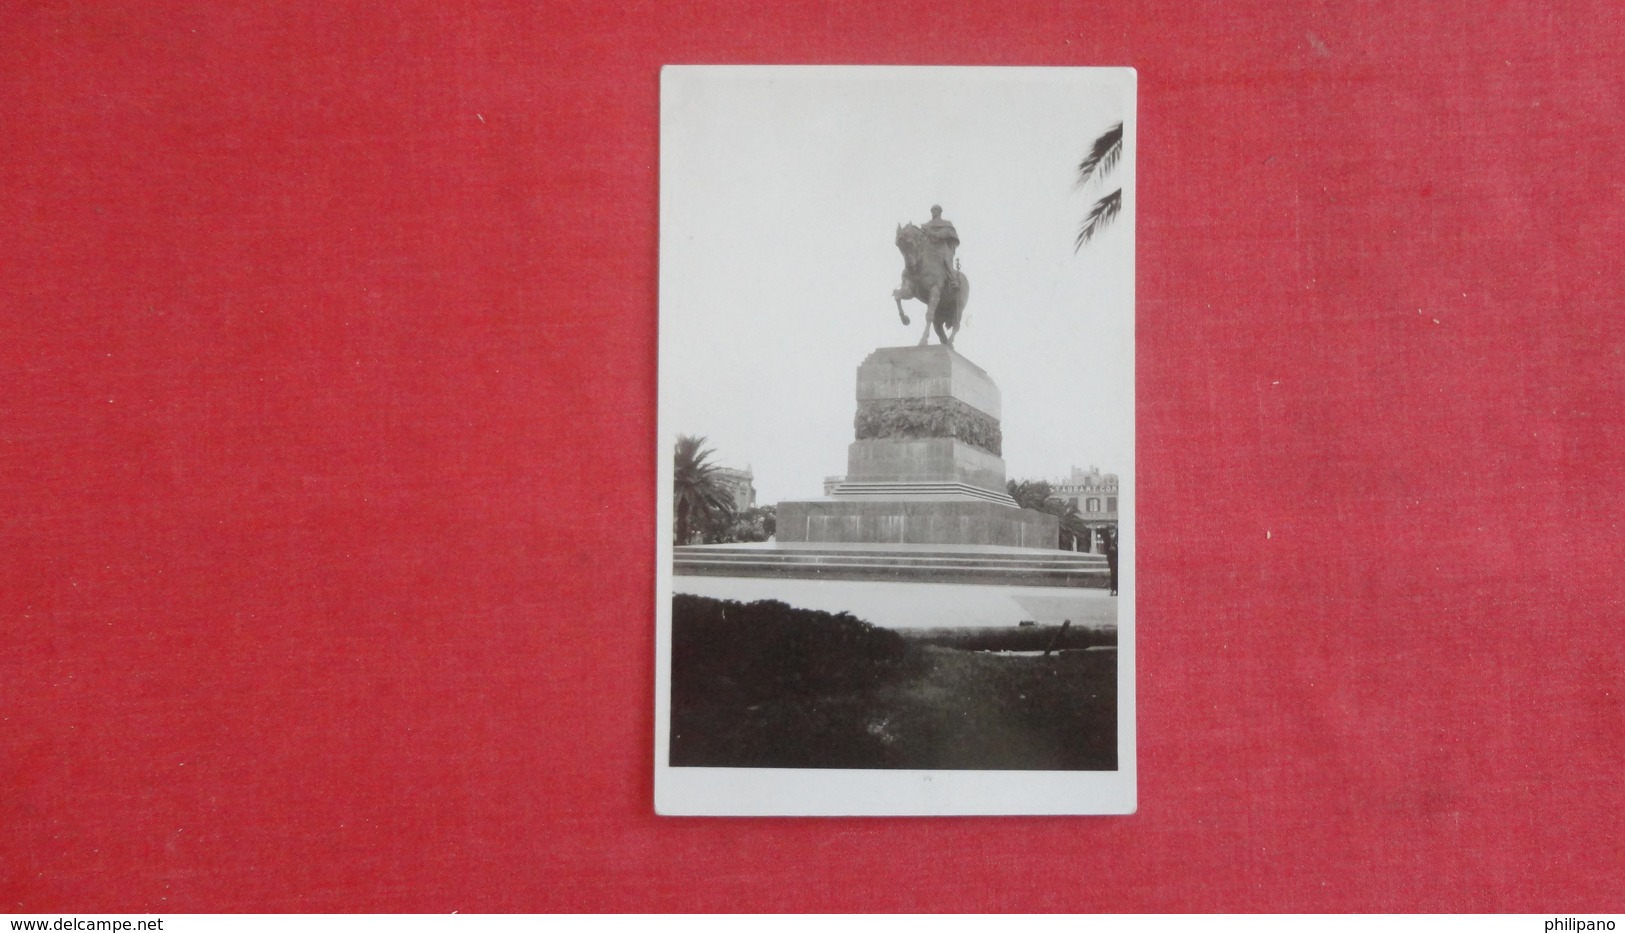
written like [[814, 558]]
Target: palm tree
[[1097, 164], [698, 494], [1040, 497], [1029, 494]]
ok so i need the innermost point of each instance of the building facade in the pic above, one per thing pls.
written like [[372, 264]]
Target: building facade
[[1095, 495], [742, 484]]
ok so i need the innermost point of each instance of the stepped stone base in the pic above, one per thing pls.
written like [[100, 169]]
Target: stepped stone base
[[923, 460], [923, 492], [926, 520], [925, 468], [901, 563]]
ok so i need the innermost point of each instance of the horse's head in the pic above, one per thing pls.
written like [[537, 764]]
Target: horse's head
[[909, 239]]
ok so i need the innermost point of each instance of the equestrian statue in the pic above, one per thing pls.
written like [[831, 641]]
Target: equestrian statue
[[931, 274]]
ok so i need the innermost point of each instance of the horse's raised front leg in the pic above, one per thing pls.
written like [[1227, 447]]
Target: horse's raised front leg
[[898, 297], [931, 315]]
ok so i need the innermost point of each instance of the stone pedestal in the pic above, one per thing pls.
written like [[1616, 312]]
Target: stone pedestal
[[927, 465]]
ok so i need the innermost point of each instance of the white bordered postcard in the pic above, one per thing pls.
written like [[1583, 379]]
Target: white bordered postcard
[[896, 494]]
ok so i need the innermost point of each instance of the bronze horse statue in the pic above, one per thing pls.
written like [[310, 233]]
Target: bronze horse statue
[[928, 278]]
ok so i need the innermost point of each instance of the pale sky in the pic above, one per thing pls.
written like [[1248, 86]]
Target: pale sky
[[781, 190]]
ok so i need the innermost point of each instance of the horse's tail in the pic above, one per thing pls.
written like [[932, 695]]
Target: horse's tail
[[963, 298]]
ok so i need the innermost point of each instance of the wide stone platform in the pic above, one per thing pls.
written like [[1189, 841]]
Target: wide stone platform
[[940, 563], [895, 518]]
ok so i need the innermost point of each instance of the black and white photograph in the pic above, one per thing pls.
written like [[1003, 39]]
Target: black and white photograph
[[896, 501]]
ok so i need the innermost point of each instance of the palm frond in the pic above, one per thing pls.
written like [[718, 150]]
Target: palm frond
[[1103, 213], [1103, 155], [1029, 494]]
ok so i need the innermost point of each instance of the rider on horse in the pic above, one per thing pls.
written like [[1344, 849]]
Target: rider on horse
[[942, 233], [931, 275]]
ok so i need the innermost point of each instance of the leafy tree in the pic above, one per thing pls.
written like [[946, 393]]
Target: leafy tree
[[1097, 164], [699, 496], [756, 524]]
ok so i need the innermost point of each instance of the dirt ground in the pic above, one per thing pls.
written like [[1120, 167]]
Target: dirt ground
[[945, 709]]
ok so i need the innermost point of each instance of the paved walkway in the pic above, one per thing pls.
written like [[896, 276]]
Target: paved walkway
[[917, 605], [793, 546]]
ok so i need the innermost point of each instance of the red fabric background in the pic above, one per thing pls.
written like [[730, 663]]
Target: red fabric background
[[327, 438]]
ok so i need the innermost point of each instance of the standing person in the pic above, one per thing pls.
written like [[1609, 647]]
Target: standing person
[[1110, 534]]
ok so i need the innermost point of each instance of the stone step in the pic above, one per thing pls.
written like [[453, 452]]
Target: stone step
[[1060, 569], [900, 573], [923, 553], [858, 560]]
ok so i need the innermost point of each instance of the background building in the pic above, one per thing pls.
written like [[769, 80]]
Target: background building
[[742, 483], [1095, 495]]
